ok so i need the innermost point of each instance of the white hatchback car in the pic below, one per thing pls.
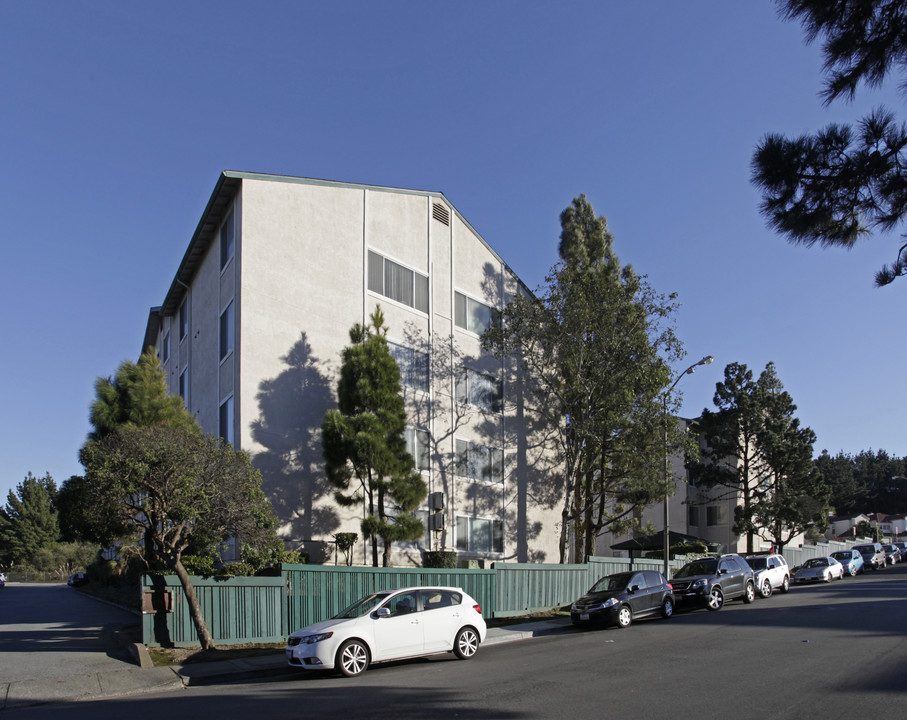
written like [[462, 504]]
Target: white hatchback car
[[391, 625]]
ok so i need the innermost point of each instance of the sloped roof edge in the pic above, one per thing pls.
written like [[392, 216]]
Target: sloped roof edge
[[228, 183]]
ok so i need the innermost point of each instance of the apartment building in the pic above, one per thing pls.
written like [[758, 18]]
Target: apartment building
[[252, 327]]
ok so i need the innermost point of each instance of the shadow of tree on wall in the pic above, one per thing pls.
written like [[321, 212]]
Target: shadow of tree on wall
[[533, 459], [291, 408]]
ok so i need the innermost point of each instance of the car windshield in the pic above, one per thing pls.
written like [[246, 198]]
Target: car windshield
[[842, 556], [612, 583], [815, 562], [757, 563], [362, 607], [700, 567]]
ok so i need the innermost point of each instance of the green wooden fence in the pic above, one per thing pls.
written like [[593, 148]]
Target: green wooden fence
[[237, 610], [267, 609]]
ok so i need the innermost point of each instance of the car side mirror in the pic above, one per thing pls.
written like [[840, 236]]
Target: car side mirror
[[722, 571], [634, 588], [382, 612]]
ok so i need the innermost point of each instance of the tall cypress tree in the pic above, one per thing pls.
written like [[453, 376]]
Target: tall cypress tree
[[595, 344], [364, 442]]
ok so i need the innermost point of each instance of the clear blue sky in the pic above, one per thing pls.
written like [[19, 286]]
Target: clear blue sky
[[117, 118]]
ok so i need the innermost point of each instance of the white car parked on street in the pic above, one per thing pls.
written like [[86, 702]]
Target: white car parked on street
[[771, 572], [391, 625]]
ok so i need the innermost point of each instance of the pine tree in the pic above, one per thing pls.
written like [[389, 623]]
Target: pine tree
[[364, 442], [29, 522], [833, 187]]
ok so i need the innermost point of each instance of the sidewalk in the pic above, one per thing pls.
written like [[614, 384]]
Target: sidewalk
[[137, 680]]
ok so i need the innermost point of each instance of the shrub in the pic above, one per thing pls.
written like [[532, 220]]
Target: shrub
[[439, 559], [240, 569], [199, 564]]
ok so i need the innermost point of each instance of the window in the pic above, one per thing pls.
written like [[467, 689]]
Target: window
[[716, 515], [225, 420], [397, 282], [434, 599], [478, 462], [417, 445], [226, 331], [483, 391], [693, 516], [473, 315], [184, 385], [403, 603], [480, 535], [413, 366], [227, 240], [184, 319], [165, 348]]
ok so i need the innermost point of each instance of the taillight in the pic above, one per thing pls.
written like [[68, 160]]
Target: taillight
[[477, 608], [670, 587]]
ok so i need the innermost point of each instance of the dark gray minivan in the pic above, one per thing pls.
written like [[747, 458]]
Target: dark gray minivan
[[873, 555]]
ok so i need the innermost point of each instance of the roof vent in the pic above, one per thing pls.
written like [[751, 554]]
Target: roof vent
[[440, 213]]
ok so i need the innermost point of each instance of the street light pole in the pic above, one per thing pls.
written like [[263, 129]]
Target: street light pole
[[707, 360]]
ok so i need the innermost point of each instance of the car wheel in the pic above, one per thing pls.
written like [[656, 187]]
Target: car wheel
[[352, 658], [749, 595], [466, 643], [853, 571], [624, 616], [785, 584], [766, 589], [716, 599], [667, 608]]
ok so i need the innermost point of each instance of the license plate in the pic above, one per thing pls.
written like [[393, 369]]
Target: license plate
[[584, 616]]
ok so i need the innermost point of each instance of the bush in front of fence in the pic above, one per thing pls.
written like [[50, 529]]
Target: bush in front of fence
[[439, 559]]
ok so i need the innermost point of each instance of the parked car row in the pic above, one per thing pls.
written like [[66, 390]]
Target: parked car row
[[418, 621]]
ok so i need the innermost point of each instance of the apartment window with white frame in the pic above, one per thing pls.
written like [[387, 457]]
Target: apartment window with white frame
[[413, 366], [473, 315], [226, 331], [227, 240], [479, 535], [417, 445], [397, 282], [480, 390], [225, 420], [479, 462]]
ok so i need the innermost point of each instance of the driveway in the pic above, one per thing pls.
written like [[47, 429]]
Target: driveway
[[51, 630]]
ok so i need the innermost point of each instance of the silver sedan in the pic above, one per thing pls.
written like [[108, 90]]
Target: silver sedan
[[820, 569]]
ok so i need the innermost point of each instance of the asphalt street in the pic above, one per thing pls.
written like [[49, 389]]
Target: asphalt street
[[50, 630], [831, 651]]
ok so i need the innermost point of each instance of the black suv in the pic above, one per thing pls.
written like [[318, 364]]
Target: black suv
[[712, 581]]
